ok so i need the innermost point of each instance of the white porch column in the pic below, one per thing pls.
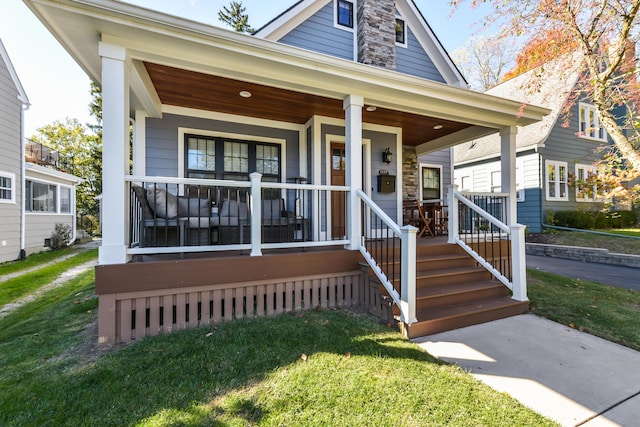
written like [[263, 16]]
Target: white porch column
[[140, 144], [508, 171], [115, 152], [353, 134]]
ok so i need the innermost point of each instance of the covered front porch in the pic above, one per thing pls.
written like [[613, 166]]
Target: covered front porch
[[250, 145]]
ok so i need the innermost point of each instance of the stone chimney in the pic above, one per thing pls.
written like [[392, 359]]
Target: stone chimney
[[377, 33]]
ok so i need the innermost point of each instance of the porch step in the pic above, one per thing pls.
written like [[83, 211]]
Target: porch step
[[453, 291], [440, 319]]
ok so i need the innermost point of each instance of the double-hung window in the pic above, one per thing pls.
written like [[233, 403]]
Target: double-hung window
[[585, 188], [431, 185], [65, 200], [7, 187], [590, 126], [401, 32], [556, 179], [344, 13]]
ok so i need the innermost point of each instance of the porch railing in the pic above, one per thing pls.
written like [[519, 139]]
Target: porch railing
[[383, 244], [40, 154], [477, 225], [175, 215]]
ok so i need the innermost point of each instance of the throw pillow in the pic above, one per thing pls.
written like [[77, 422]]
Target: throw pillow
[[163, 203]]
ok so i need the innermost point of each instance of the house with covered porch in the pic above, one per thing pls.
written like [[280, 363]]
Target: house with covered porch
[[268, 172]]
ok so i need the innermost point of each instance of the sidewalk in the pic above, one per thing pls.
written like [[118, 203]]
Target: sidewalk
[[569, 376]]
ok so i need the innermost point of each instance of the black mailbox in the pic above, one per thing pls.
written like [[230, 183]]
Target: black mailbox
[[386, 183]]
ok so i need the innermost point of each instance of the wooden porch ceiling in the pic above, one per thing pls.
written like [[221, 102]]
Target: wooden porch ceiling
[[184, 88]]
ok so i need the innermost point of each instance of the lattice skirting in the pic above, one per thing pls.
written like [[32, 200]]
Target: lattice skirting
[[129, 316]]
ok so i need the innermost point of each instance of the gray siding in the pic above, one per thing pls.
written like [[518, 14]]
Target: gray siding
[[443, 158], [320, 35], [10, 162], [39, 226], [564, 146], [414, 60], [162, 142]]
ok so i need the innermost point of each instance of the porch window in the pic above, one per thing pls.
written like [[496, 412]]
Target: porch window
[[344, 13], [431, 183], [224, 158], [40, 197], [7, 187], [556, 177], [590, 126], [584, 191], [401, 31], [65, 199]]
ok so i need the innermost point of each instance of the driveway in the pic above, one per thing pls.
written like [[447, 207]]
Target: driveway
[[612, 275]]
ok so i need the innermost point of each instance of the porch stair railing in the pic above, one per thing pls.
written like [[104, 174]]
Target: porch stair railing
[[382, 240], [496, 246]]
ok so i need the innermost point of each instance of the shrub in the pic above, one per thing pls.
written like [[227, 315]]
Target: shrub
[[61, 236], [617, 219], [574, 219]]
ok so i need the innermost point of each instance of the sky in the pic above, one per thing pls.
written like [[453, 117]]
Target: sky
[[57, 88]]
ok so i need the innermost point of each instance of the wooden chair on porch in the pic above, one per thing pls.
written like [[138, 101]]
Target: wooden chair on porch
[[413, 214]]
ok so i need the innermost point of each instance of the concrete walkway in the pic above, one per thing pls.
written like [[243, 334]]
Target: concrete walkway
[[566, 375]]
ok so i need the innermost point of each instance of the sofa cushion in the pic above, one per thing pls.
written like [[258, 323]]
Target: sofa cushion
[[163, 203], [233, 209], [192, 207], [271, 209]]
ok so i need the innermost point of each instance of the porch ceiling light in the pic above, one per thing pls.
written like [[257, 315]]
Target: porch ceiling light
[[371, 108], [245, 94], [438, 127]]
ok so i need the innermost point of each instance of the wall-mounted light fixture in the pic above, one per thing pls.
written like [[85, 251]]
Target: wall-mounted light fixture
[[387, 155]]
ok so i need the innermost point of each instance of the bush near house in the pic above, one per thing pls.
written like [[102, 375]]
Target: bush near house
[[588, 220]]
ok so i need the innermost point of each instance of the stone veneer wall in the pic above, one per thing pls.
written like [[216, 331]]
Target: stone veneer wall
[[409, 173], [377, 33]]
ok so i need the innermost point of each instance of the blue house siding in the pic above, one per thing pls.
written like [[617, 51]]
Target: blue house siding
[[162, 141], [318, 34], [414, 60]]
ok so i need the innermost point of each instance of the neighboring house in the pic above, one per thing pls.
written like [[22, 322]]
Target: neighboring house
[[33, 198], [13, 102], [306, 135], [548, 152]]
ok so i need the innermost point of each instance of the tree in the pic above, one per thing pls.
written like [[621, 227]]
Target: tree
[[77, 147], [234, 15], [605, 32], [483, 61]]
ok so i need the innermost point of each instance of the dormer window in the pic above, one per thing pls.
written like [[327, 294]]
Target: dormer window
[[401, 32], [344, 13]]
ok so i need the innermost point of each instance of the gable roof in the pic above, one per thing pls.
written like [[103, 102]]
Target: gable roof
[[22, 96], [299, 12], [552, 93]]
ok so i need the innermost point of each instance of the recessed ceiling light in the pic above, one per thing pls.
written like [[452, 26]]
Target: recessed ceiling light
[[371, 108], [438, 127], [245, 94]]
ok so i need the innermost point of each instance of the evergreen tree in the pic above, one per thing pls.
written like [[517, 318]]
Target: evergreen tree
[[234, 16]]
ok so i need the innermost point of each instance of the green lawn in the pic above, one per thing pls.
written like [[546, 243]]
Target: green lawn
[[13, 289], [247, 372], [605, 311], [34, 260], [591, 240]]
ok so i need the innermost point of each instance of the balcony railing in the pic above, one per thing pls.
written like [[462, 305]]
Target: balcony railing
[[173, 215], [39, 154]]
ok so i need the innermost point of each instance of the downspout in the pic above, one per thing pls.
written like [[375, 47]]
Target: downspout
[[23, 216]]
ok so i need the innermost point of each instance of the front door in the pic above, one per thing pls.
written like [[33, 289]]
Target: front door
[[338, 198]]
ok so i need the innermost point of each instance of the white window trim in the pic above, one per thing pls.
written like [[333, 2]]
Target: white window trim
[[71, 199], [588, 169], [58, 186], [12, 177], [556, 165], [354, 17], [585, 135], [431, 166], [406, 33], [462, 187]]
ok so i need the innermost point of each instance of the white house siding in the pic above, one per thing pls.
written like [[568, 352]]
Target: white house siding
[[11, 163], [319, 34], [527, 179], [40, 225]]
